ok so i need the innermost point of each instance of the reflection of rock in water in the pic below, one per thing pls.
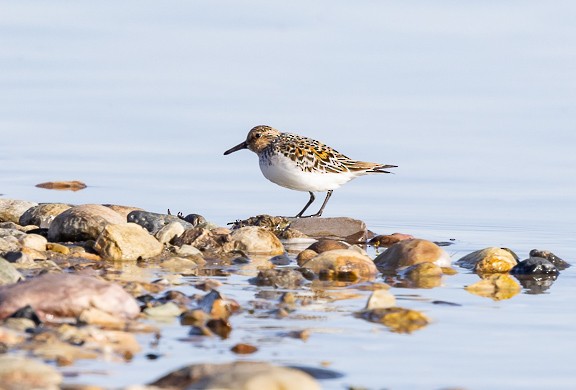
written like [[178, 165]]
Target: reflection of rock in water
[[536, 284]]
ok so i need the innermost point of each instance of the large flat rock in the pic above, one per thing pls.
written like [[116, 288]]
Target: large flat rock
[[340, 228]]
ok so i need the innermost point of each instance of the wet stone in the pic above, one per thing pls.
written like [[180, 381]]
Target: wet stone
[[397, 319], [534, 266], [410, 252], [342, 264], [153, 222], [495, 286], [386, 240], [489, 260], [551, 257], [256, 240], [279, 278], [72, 185]]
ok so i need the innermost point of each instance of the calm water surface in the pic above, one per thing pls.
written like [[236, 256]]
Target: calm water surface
[[473, 100]]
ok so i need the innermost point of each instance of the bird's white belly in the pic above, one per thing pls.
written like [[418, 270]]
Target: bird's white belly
[[284, 172]]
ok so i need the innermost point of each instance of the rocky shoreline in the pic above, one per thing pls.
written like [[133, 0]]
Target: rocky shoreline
[[62, 299]]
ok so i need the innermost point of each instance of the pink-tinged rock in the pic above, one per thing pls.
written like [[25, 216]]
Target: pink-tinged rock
[[66, 295], [409, 252]]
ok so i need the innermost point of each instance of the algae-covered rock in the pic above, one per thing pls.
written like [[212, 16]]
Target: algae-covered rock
[[496, 286]]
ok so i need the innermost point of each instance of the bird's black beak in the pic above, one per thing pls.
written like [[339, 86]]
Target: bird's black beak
[[236, 148]]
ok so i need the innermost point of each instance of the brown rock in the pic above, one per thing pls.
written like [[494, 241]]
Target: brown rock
[[73, 185], [342, 262], [122, 210], [256, 240], [17, 373], [339, 228], [398, 319], [488, 260], [127, 241], [386, 240], [243, 349], [409, 252], [238, 375], [81, 223], [326, 244], [304, 256], [66, 295]]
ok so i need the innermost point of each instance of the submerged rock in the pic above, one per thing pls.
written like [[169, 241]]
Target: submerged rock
[[72, 185], [238, 375], [489, 260], [279, 278], [127, 241], [81, 223], [409, 252], [65, 295], [398, 319], [496, 286]]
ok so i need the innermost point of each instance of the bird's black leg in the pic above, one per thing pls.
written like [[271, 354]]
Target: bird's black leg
[[312, 198], [319, 213]]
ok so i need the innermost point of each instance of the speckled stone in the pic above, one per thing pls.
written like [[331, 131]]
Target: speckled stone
[[81, 223]]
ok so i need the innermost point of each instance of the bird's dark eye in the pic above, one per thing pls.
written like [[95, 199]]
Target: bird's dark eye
[[258, 135]]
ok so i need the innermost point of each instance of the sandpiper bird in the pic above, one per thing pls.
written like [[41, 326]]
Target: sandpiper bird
[[303, 164]]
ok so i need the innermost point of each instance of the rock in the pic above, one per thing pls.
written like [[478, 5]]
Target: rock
[[66, 295], [423, 275], [389, 239], [339, 228], [409, 252], [12, 209], [188, 250], [380, 299], [153, 222], [256, 240], [8, 273], [551, 257], [124, 211], [42, 215], [10, 240], [81, 223], [58, 248], [496, 286], [243, 375], [326, 244], [534, 266], [127, 241], [215, 241], [305, 255], [183, 266], [34, 241], [488, 260], [398, 319], [244, 349], [342, 264], [169, 309], [219, 307], [279, 278], [17, 373], [168, 232], [73, 185]]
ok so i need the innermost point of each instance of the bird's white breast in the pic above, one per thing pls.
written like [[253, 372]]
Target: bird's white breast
[[284, 172]]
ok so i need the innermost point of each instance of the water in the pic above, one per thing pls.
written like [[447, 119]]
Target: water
[[474, 101]]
